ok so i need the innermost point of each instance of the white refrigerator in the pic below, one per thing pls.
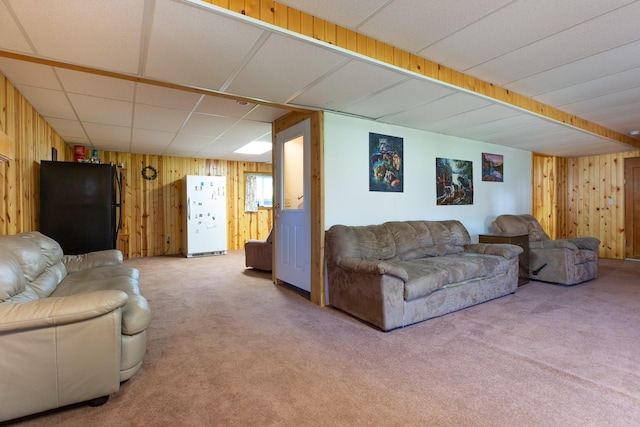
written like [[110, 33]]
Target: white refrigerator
[[205, 218]]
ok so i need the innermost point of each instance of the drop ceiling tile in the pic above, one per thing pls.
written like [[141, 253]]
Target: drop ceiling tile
[[490, 113], [66, 128], [216, 149], [414, 24], [483, 131], [207, 125], [29, 74], [354, 81], [625, 117], [177, 152], [47, 102], [191, 143], [166, 97], [71, 140], [618, 99], [11, 38], [152, 137], [102, 132], [246, 131], [523, 21], [150, 149], [576, 43], [521, 137], [264, 113], [347, 14], [223, 107], [267, 137], [101, 110], [614, 61], [110, 145], [96, 85], [259, 158], [103, 34], [592, 89], [158, 118], [281, 68], [398, 98], [420, 117], [209, 49]]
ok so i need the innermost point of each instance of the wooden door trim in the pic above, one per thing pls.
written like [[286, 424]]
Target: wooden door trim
[[629, 164]]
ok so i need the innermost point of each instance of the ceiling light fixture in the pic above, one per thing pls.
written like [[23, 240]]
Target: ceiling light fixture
[[255, 147], [634, 133]]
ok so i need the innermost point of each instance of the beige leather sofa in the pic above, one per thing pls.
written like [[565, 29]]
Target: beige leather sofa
[[72, 327]]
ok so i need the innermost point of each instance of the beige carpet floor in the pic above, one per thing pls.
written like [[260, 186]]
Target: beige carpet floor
[[227, 347]]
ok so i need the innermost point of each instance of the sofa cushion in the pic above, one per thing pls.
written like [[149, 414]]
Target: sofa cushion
[[525, 223], [11, 278], [465, 266], [435, 250], [419, 239], [423, 278], [369, 242], [27, 253]]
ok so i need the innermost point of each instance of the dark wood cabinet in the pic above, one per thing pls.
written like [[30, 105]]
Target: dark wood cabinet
[[521, 240]]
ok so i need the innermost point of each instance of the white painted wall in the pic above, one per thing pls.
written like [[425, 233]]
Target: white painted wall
[[349, 201]]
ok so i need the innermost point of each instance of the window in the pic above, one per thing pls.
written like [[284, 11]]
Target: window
[[259, 192]]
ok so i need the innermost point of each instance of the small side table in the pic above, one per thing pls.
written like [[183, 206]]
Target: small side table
[[518, 239]]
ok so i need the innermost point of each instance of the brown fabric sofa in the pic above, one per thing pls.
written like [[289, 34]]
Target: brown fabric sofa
[[258, 253], [399, 273], [563, 261], [72, 327]]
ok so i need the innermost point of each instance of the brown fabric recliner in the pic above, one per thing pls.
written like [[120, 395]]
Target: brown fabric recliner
[[562, 261], [258, 253]]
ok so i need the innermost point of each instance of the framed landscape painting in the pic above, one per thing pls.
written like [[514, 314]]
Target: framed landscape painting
[[492, 167]]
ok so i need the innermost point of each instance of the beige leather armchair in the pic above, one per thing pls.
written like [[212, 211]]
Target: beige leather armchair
[[72, 327], [258, 253], [563, 261]]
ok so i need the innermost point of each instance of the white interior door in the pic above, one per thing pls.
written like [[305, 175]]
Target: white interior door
[[293, 216]]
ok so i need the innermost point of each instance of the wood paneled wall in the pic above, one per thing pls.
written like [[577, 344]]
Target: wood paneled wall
[[154, 209], [151, 209], [33, 139], [572, 198]]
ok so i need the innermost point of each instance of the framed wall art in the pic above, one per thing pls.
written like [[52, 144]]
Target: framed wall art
[[385, 163], [492, 167], [454, 182]]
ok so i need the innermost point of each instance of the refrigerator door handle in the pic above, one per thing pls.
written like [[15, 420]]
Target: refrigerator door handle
[[189, 208], [119, 204]]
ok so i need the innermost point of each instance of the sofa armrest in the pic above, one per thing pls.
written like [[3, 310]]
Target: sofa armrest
[[75, 263], [589, 243], [505, 250], [359, 265], [56, 311], [554, 244]]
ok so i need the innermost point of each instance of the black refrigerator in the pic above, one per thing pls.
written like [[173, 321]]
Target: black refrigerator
[[80, 205]]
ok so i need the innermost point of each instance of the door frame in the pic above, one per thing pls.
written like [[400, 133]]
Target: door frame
[[629, 164], [316, 198]]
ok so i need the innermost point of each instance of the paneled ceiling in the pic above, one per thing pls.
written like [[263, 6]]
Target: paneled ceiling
[[185, 78]]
